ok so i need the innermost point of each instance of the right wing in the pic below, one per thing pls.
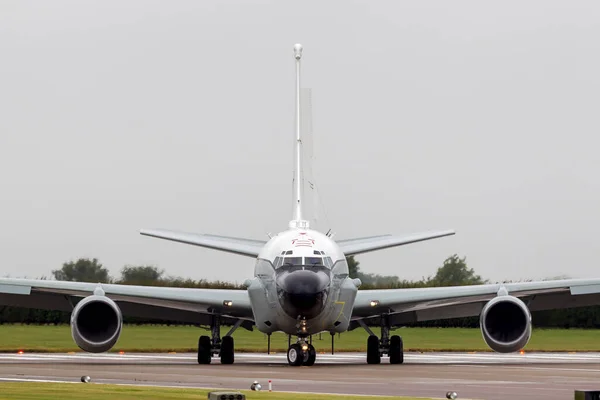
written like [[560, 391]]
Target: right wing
[[431, 303], [163, 303], [244, 247], [351, 247]]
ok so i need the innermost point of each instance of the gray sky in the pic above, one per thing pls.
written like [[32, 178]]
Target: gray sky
[[476, 116]]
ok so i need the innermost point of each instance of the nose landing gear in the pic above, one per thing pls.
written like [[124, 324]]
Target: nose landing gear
[[301, 353]]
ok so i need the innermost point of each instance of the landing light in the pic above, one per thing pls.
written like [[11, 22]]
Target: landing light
[[374, 303], [304, 347], [227, 303]]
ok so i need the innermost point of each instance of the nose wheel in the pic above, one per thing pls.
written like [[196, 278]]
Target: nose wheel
[[301, 354]]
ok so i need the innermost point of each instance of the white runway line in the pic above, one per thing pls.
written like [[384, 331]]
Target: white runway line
[[341, 358]]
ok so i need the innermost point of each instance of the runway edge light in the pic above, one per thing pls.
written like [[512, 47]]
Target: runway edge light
[[587, 394], [226, 396]]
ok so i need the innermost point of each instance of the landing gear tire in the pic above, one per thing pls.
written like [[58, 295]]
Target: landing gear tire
[[295, 355], [396, 351], [310, 356], [204, 350], [373, 356], [226, 352]]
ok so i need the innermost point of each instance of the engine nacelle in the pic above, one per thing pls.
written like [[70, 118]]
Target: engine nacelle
[[505, 323], [96, 324]]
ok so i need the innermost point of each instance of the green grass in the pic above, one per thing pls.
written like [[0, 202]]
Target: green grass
[[185, 338], [65, 391]]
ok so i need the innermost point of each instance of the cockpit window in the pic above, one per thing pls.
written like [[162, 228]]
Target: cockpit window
[[313, 261], [292, 261]]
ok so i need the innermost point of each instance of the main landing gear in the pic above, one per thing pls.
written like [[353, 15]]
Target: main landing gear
[[392, 346], [301, 353], [209, 346]]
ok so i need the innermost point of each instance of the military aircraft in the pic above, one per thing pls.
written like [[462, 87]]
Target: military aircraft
[[300, 287]]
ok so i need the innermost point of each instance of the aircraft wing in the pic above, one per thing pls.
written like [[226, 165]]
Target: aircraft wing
[[163, 303], [244, 247], [424, 304], [362, 245]]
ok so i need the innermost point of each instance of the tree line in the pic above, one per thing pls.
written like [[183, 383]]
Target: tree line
[[453, 272]]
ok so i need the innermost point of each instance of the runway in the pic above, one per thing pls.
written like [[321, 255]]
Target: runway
[[472, 375]]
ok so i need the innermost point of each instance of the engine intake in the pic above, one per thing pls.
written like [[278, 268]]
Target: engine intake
[[505, 324], [96, 324]]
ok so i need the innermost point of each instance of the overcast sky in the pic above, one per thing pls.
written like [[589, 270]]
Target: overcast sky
[[481, 117]]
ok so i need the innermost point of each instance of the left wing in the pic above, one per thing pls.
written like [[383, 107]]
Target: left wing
[[424, 304], [164, 303]]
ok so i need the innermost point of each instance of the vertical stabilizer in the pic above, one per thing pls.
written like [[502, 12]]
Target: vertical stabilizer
[[298, 221], [310, 207]]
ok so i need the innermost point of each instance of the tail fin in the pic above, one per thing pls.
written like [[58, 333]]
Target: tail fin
[[298, 221]]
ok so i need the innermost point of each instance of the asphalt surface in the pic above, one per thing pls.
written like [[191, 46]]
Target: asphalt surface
[[472, 375]]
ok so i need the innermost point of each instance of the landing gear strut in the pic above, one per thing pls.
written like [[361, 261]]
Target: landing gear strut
[[209, 346], [301, 353], [392, 346]]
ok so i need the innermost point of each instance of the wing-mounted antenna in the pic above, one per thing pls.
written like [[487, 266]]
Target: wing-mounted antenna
[[298, 221]]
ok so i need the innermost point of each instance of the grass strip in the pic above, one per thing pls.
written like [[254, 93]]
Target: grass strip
[[179, 339], [90, 391]]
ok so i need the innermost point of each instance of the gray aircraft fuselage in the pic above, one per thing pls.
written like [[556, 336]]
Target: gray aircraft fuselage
[[301, 285]]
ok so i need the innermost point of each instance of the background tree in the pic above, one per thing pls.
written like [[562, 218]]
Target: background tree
[[370, 280], [141, 275], [353, 269], [82, 270], [454, 272]]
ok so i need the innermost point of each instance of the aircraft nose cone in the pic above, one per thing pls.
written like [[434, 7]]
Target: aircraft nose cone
[[304, 282], [304, 293]]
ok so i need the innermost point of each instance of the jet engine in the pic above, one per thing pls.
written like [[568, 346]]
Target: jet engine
[[505, 324], [96, 324]]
